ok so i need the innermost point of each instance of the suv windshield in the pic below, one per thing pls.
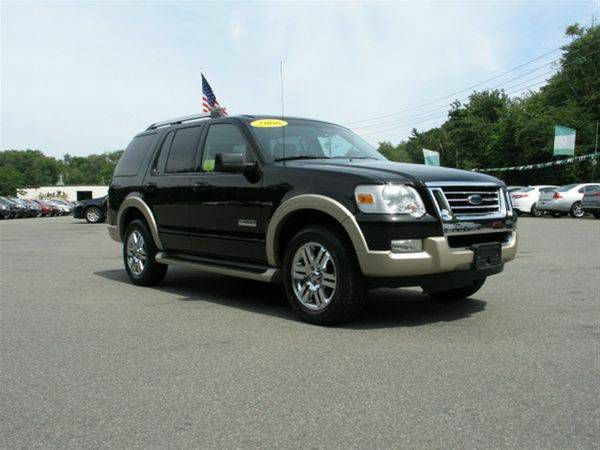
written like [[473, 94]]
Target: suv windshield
[[307, 139]]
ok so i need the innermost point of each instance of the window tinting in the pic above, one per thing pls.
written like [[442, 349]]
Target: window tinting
[[223, 138], [134, 154], [592, 188], [183, 150]]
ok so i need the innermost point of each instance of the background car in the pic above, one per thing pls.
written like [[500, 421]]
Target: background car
[[6, 209], [10, 210], [512, 189], [591, 201], [524, 200], [45, 209], [22, 209], [34, 207], [93, 210], [566, 199]]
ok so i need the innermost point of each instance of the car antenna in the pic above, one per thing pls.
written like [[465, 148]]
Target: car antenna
[[282, 107]]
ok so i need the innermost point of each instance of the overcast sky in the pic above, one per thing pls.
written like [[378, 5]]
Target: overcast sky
[[84, 77]]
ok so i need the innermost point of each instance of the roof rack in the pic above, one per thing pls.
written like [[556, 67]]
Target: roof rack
[[211, 115]]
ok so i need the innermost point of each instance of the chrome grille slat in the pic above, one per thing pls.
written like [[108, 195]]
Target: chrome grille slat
[[455, 198]]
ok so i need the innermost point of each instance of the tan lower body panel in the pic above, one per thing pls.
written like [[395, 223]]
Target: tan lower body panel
[[113, 232], [436, 257]]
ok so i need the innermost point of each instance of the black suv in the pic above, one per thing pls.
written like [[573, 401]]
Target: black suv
[[308, 203]]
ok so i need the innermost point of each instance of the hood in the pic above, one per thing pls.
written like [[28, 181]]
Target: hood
[[390, 171]]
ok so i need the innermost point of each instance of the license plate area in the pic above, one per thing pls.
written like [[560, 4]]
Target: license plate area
[[487, 255]]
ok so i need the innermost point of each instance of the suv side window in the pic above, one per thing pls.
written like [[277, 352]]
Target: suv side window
[[131, 160], [591, 188], [183, 150], [224, 138]]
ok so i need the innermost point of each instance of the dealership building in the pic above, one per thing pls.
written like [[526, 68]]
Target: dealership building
[[69, 193]]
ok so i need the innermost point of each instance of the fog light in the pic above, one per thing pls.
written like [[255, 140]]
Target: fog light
[[407, 246]]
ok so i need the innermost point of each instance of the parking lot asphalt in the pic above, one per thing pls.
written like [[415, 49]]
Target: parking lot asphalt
[[89, 360]]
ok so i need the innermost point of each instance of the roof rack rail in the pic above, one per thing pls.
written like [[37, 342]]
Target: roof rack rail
[[179, 120]]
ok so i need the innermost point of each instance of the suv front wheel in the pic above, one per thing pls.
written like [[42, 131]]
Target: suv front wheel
[[321, 276], [139, 254]]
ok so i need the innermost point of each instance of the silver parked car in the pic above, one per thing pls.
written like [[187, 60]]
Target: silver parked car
[[591, 202], [525, 200], [566, 199]]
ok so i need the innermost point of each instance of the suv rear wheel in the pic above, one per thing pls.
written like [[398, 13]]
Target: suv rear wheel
[[458, 293], [321, 276], [139, 254]]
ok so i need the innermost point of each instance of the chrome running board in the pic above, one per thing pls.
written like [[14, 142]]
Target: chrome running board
[[232, 268]]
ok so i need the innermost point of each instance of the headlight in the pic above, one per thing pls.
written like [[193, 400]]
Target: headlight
[[389, 199]]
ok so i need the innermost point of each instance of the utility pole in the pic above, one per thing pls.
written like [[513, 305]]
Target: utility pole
[[595, 160]]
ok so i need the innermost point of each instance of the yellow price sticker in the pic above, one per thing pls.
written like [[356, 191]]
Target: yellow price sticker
[[268, 123]]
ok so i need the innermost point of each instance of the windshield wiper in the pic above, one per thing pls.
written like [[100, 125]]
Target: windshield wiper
[[290, 158], [354, 157]]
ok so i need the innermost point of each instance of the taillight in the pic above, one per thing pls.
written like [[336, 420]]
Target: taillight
[[519, 195], [557, 196]]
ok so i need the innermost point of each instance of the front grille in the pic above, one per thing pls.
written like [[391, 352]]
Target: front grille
[[472, 200]]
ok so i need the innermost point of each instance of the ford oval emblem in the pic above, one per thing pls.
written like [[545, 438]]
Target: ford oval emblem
[[475, 199]]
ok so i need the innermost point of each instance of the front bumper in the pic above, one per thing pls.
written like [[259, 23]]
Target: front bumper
[[437, 257]]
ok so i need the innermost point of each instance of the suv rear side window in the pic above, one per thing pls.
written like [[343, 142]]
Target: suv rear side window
[[134, 154], [224, 138], [183, 150]]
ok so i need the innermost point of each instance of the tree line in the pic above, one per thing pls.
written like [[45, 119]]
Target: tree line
[[31, 168], [491, 129]]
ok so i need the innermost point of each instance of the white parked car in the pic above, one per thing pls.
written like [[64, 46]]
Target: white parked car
[[524, 200], [565, 199]]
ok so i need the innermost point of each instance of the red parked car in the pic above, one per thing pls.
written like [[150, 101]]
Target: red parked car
[[47, 210]]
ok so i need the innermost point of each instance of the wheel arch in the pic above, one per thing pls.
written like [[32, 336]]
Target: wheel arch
[[306, 209], [134, 207]]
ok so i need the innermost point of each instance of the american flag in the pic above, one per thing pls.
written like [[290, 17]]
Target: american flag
[[209, 100]]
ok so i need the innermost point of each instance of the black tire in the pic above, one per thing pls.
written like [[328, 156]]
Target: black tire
[[596, 215], [93, 214], [153, 272], [459, 293], [535, 212], [349, 296], [576, 211]]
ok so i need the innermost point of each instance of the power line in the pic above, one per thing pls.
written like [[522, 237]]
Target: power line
[[440, 115], [469, 87], [444, 107]]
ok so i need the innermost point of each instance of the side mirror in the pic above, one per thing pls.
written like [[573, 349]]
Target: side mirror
[[232, 163]]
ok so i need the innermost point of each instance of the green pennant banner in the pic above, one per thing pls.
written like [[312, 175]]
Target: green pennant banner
[[560, 162]]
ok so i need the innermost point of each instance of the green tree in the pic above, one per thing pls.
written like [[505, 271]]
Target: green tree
[[10, 180]]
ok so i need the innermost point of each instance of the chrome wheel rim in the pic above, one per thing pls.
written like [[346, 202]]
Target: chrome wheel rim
[[578, 211], [93, 214], [136, 253], [314, 276]]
